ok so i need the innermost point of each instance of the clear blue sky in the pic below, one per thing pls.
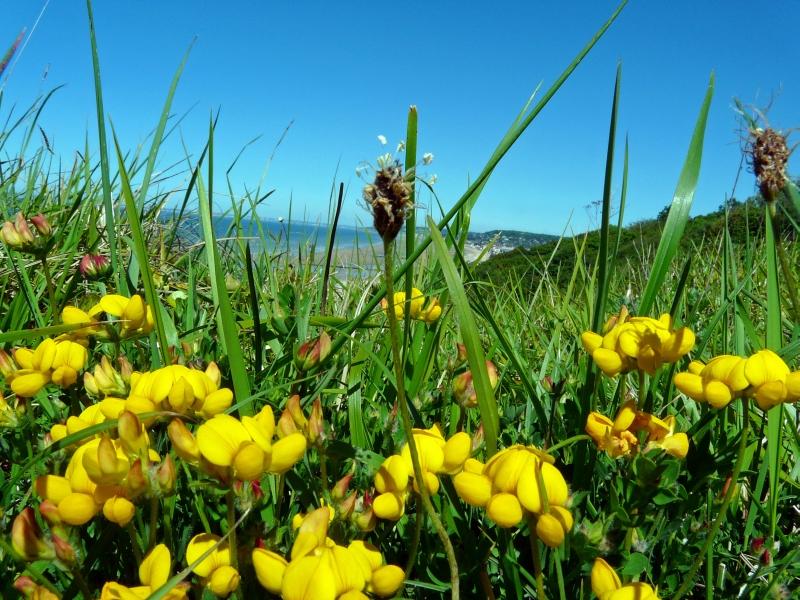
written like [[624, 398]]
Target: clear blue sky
[[345, 72]]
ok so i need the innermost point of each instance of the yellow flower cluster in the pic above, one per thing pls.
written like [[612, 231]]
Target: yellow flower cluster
[[107, 474], [763, 376], [54, 360], [395, 478], [417, 309], [153, 573], [215, 570], [180, 389], [606, 585], [637, 343], [517, 481], [133, 316], [242, 450], [619, 437], [321, 569]]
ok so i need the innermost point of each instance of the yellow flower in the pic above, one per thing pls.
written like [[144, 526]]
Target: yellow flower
[[246, 448], [763, 376], [153, 573], [395, 478], [637, 343], [417, 309], [515, 482], [619, 437], [215, 570], [136, 318], [58, 361], [606, 585], [180, 389], [321, 569]]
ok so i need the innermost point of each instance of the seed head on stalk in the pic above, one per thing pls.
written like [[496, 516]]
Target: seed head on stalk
[[388, 197], [768, 154]]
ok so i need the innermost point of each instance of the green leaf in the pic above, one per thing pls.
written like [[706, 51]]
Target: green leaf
[[636, 564], [472, 340], [679, 210]]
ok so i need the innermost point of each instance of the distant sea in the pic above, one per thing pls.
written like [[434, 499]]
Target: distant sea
[[275, 233]]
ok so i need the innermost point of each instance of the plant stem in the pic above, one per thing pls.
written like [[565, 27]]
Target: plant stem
[[567, 442], [230, 498], [412, 553], [153, 523], [537, 559], [405, 416], [737, 469], [81, 581], [137, 551], [51, 292]]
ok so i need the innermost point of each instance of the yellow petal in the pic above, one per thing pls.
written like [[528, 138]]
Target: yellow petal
[[219, 439], [269, 568], [307, 579], [392, 476], [155, 568], [604, 579], [53, 488], [223, 581], [386, 581], [119, 510], [770, 394], [113, 304], [690, 384], [248, 465], [286, 452], [609, 361], [591, 341], [457, 451], [504, 509], [550, 530], [717, 394], [475, 489], [389, 506], [198, 546], [625, 416], [28, 385], [77, 509], [765, 366]]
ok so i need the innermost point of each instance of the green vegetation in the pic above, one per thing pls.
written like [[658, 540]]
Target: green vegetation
[[223, 419]]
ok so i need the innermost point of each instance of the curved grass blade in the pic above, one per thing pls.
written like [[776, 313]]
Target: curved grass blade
[[602, 255], [679, 210], [472, 340]]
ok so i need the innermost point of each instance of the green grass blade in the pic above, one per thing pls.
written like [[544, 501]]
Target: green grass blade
[[226, 322], [679, 211], [142, 256], [472, 340], [111, 227], [773, 342], [602, 256]]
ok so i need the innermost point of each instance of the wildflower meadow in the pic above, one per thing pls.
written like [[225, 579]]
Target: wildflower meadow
[[236, 418]]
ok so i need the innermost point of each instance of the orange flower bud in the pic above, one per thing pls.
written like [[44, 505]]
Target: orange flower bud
[[26, 537]]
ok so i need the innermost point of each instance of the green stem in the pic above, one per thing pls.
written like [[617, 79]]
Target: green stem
[[153, 523], [137, 551], [567, 442], [81, 581], [51, 291], [537, 559], [737, 469], [229, 499], [405, 416], [412, 553]]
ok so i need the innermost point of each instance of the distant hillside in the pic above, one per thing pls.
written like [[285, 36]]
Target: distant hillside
[[635, 240], [502, 241]]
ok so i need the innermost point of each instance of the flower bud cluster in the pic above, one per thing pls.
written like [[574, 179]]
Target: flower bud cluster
[[637, 343], [464, 387], [312, 353], [319, 568], [17, 234], [54, 360], [619, 437], [395, 478], [763, 376], [293, 420], [515, 482], [109, 475], [416, 306]]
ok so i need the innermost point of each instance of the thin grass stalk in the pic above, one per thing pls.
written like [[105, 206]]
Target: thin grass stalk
[[405, 417], [723, 509]]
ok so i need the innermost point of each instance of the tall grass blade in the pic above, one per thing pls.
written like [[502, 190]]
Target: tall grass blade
[[679, 211], [602, 256], [226, 323], [142, 256], [111, 227], [472, 340]]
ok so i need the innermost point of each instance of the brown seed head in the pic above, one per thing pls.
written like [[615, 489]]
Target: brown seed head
[[389, 199], [768, 155]]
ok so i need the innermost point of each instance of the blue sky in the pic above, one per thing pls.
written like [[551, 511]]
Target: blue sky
[[342, 73]]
